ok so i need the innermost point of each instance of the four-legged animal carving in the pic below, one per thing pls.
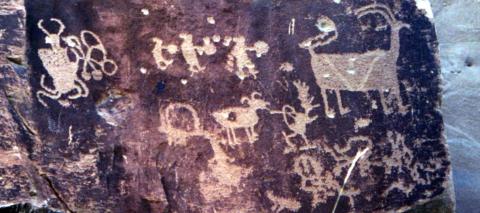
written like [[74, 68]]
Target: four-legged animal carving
[[61, 69], [241, 118], [373, 70]]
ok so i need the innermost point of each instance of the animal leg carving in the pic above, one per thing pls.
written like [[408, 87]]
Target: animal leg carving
[[328, 111], [343, 110]]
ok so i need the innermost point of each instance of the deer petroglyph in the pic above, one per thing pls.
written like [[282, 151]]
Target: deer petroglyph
[[373, 70]]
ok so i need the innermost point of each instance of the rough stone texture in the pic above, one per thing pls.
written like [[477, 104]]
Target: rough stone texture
[[457, 29], [225, 106]]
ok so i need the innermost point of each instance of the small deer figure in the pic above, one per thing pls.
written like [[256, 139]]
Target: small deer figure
[[61, 69], [233, 118]]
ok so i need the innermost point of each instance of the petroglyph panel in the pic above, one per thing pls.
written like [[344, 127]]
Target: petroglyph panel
[[234, 106]]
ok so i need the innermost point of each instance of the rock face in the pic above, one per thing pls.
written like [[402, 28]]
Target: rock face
[[457, 29], [224, 106]]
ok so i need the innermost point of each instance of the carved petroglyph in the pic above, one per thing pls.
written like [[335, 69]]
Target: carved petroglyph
[[180, 122], [286, 67], [162, 62], [357, 157], [95, 60], [222, 174], [190, 51], [400, 158], [328, 33], [211, 20], [315, 179], [63, 70], [238, 60], [342, 158], [322, 183], [60, 68], [222, 179], [246, 118], [372, 70], [280, 203], [70, 135], [362, 123], [297, 121], [291, 27]]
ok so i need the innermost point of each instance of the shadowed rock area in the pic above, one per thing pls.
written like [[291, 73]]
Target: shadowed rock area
[[221, 106]]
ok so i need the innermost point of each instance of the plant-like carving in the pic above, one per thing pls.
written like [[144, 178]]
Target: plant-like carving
[[297, 121]]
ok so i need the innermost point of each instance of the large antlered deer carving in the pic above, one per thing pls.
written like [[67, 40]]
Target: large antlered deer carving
[[374, 70]]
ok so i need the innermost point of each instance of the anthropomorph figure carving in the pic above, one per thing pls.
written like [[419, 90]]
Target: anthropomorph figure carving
[[92, 61], [60, 68], [233, 118], [374, 70], [190, 51], [162, 62], [238, 60], [297, 121]]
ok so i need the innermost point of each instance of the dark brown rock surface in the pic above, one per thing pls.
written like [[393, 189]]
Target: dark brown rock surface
[[221, 106]]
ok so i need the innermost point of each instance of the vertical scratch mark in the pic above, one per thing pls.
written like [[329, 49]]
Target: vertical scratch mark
[[291, 27], [70, 135], [358, 156]]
